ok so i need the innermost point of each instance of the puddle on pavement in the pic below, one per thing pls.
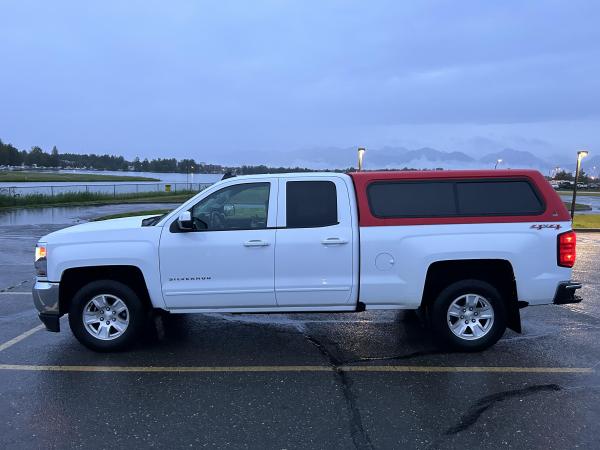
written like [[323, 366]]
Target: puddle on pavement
[[71, 215]]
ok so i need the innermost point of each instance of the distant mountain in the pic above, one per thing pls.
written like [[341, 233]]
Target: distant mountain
[[393, 157], [429, 158], [426, 157], [516, 159]]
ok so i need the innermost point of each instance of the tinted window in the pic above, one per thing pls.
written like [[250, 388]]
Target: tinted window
[[238, 207], [311, 204], [412, 199], [453, 198], [497, 198]]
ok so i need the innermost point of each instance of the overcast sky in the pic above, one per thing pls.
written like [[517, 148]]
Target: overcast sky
[[219, 80]]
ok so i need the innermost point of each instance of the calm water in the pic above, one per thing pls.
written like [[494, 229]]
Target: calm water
[[178, 181], [591, 200], [163, 177]]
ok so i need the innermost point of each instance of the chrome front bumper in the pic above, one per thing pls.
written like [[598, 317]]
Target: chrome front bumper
[[45, 299]]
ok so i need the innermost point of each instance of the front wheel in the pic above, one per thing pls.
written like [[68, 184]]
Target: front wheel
[[468, 315], [106, 316]]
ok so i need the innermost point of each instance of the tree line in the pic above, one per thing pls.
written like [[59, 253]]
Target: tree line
[[36, 157], [11, 156], [568, 176]]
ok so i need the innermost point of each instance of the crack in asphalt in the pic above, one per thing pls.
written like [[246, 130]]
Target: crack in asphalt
[[10, 288], [394, 357], [485, 403], [360, 437], [301, 328]]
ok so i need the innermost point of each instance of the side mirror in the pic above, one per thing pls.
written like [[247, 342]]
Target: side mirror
[[184, 221]]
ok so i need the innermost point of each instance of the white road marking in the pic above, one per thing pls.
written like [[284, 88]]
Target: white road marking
[[20, 337], [23, 238]]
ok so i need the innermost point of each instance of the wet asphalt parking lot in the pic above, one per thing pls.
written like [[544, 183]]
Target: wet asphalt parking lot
[[364, 380]]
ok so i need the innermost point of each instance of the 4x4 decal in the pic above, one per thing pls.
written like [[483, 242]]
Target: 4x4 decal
[[556, 226]]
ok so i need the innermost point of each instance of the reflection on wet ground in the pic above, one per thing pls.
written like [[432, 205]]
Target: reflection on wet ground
[[72, 215]]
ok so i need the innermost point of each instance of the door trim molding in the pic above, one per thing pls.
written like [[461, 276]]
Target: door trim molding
[[222, 291]]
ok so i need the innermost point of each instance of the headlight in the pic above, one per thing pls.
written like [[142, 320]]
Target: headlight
[[41, 264]]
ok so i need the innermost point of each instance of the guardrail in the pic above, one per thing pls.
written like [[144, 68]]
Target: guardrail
[[101, 188]]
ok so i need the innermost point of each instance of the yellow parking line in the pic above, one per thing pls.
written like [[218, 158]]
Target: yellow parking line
[[166, 369], [468, 369], [20, 337], [249, 369]]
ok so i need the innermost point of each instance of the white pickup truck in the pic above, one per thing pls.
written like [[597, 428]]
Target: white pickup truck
[[468, 249]]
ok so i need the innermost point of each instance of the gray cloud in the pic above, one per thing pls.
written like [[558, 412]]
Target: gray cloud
[[207, 79]]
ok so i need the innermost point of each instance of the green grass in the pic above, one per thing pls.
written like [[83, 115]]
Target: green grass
[[587, 221], [21, 177], [93, 198], [579, 192], [578, 207], [152, 212]]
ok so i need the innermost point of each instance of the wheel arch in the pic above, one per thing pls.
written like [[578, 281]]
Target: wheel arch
[[497, 272], [75, 278]]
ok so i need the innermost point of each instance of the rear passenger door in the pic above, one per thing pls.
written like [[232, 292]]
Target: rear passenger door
[[314, 245]]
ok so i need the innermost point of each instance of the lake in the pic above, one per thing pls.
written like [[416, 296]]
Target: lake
[[590, 200], [179, 181]]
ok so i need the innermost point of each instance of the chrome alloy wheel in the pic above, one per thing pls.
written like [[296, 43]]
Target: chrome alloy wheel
[[106, 317], [470, 317]]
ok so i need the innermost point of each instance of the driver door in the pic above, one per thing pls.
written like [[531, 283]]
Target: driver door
[[227, 260]]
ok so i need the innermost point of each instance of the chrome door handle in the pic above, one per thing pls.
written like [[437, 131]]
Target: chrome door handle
[[334, 241], [256, 243]]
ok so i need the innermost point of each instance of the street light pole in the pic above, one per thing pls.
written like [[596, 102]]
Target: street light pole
[[361, 154], [498, 161], [580, 155]]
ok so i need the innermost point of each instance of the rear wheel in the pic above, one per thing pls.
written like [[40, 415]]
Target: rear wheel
[[468, 315], [106, 316]]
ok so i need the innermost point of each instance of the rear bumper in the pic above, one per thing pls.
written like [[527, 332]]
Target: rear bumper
[[565, 293], [45, 299]]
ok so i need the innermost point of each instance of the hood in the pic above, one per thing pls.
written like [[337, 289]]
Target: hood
[[123, 224]]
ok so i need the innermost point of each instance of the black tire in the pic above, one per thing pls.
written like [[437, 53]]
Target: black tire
[[441, 323], [136, 315]]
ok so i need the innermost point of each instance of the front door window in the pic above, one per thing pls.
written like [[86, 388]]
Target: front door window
[[238, 207]]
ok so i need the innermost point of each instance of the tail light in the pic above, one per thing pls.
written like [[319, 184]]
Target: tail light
[[566, 249]]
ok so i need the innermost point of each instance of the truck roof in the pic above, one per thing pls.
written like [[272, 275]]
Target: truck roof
[[409, 174], [420, 174], [288, 174]]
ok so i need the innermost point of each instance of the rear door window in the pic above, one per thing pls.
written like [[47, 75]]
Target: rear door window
[[311, 204]]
